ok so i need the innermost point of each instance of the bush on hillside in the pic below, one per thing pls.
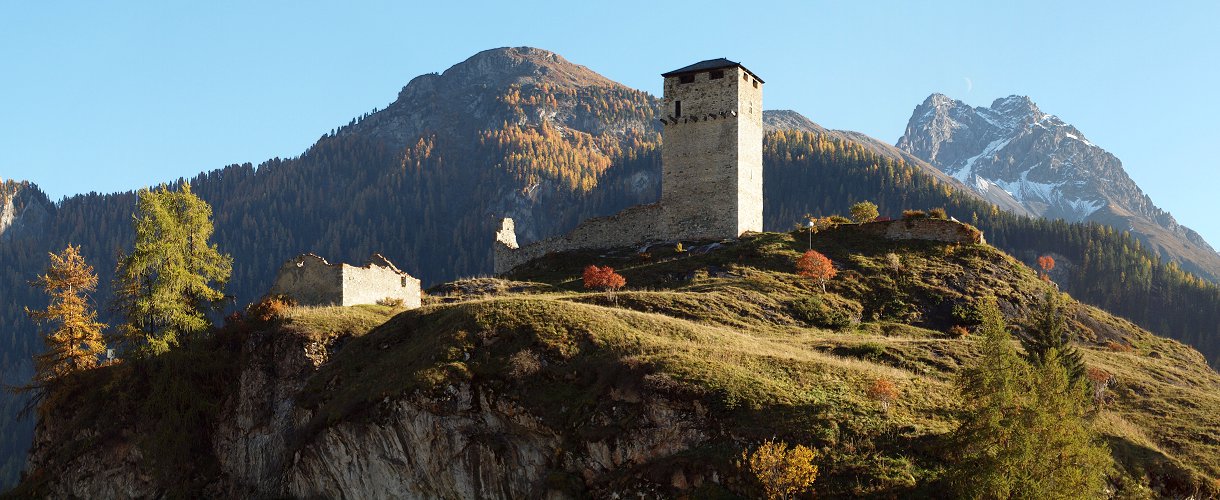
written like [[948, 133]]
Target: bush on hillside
[[827, 311], [270, 308], [393, 302], [865, 211]]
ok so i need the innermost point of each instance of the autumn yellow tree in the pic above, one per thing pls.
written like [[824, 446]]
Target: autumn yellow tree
[[783, 472], [72, 334]]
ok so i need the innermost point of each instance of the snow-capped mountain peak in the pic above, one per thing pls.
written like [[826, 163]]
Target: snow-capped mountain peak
[[1034, 163], [1012, 151]]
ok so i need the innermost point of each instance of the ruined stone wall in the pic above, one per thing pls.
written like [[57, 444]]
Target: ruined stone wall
[[310, 280], [633, 226], [943, 230], [369, 284]]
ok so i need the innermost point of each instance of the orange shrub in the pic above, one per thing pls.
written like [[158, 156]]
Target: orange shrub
[[1046, 262], [269, 308], [883, 391], [603, 278], [816, 266]]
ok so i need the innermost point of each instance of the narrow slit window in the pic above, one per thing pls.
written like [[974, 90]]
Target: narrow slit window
[[716, 75], [755, 83], [677, 109], [686, 79], [745, 77]]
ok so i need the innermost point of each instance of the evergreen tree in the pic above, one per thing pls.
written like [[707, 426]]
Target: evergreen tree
[[73, 336], [1067, 459], [173, 277], [1050, 333], [1024, 432], [994, 390]]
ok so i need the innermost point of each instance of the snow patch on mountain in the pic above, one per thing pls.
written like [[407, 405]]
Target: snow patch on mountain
[[966, 171]]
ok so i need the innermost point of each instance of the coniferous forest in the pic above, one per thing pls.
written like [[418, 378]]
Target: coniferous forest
[[808, 173], [432, 209]]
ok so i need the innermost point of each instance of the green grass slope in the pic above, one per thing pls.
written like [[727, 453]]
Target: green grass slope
[[733, 327], [726, 331]]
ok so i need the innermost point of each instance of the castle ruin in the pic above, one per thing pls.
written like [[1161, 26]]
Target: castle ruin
[[312, 281], [711, 171]]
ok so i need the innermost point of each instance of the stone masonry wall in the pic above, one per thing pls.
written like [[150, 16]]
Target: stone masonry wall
[[633, 226], [749, 147], [943, 230], [376, 281], [709, 188], [312, 281]]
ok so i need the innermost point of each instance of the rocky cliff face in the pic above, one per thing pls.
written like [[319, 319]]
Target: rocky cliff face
[[1033, 163], [24, 210], [462, 441]]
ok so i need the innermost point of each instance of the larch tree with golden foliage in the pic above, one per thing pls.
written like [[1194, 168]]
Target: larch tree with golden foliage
[[783, 472], [174, 276], [72, 334], [817, 267]]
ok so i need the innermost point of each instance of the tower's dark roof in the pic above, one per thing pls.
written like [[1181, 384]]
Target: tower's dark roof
[[708, 65]]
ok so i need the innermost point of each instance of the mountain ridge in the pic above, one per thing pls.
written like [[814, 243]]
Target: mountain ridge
[[1033, 163]]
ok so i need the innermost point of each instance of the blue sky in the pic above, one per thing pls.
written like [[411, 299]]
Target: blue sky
[[107, 96]]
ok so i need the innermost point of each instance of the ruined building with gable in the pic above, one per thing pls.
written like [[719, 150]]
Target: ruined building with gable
[[711, 179], [312, 281]]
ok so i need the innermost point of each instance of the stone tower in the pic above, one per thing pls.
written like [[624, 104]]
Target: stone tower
[[711, 180]]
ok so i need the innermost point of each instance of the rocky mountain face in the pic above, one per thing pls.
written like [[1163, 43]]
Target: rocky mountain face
[[24, 210], [1033, 163], [484, 93]]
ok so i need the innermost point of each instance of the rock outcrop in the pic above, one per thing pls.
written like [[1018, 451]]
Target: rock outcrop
[[465, 441], [24, 210]]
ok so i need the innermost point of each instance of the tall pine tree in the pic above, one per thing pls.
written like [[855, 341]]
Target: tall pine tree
[[1024, 432], [993, 389], [1050, 333]]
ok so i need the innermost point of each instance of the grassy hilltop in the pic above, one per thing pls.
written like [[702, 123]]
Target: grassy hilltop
[[772, 356], [733, 339]]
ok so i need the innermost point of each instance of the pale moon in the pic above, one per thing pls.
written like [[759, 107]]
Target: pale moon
[[969, 83]]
